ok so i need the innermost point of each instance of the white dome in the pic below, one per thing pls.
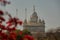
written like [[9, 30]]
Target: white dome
[[34, 14]]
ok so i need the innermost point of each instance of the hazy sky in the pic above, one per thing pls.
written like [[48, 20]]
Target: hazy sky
[[49, 10]]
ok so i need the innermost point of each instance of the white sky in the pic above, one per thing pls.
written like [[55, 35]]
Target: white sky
[[49, 10]]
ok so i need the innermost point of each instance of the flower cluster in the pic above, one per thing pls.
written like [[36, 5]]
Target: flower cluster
[[14, 35], [24, 35], [11, 33]]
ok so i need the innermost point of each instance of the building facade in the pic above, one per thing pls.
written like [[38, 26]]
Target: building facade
[[36, 26]]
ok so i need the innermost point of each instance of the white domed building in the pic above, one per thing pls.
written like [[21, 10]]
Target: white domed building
[[35, 26]]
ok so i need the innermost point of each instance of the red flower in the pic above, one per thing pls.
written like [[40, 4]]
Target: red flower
[[9, 29], [1, 12], [4, 36], [20, 32], [10, 21], [2, 19], [2, 27], [9, 24], [20, 22], [13, 28], [28, 37], [14, 21], [12, 35]]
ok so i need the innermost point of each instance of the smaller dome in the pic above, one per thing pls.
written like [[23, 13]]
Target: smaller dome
[[43, 21]]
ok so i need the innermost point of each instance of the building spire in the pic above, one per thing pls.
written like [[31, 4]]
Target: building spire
[[34, 8], [25, 21], [25, 13], [16, 12]]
